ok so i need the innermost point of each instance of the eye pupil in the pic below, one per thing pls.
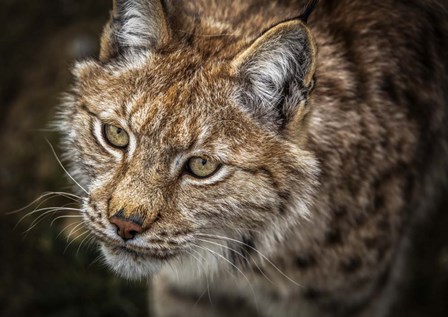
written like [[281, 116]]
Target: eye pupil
[[201, 167], [115, 136]]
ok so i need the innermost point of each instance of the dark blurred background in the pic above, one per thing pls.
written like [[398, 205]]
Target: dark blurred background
[[39, 40], [39, 274]]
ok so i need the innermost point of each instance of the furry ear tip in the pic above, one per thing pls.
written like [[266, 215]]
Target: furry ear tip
[[135, 25], [268, 37], [308, 10]]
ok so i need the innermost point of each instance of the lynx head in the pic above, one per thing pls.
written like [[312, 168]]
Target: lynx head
[[180, 138]]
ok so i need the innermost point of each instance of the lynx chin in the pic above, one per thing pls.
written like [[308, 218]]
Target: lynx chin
[[259, 157]]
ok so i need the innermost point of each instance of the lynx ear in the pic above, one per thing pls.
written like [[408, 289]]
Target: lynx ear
[[277, 73], [134, 25]]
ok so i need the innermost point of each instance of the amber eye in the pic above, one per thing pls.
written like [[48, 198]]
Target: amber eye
[[201, 167], [115, 136]]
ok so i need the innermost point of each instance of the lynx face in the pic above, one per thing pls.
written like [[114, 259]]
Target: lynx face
[[171, 145]]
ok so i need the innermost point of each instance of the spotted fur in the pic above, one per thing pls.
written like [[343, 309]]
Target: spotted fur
[[330, 129]]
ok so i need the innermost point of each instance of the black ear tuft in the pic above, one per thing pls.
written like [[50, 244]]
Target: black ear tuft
[[308, 10]]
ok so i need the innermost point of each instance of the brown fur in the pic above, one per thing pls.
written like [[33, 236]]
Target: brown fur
[[323, 184]]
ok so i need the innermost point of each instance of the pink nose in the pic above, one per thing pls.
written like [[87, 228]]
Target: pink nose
[[126, 228]]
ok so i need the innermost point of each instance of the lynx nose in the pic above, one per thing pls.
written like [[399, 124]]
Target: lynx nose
[[127, 227]]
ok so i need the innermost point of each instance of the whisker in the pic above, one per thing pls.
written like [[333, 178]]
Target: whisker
[[82, 242], [97, 259], [37, 209], [51, 194], [206, 276], [244, 229], [64, 217], [41, 217], [62, 166], [52, 209], [174, 270], [239, 230], [240, 254], [73, 197], [46, 130], [200, 297], [258, 252], [90, 242], [68, 226], [237, 268], [74, 230], [73, 240]]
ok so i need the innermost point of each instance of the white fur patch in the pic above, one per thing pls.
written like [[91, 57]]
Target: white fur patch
[[128, 266]]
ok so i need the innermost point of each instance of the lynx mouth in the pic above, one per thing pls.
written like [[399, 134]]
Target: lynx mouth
[[130, 260], [142, 253], [133, 264], [116, 246]]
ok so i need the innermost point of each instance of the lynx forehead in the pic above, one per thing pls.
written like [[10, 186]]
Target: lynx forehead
[[237, 136]]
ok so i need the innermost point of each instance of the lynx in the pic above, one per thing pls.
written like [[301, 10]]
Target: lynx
[[261, 158]]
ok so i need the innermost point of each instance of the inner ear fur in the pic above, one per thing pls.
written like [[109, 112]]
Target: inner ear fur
[[276, 72]]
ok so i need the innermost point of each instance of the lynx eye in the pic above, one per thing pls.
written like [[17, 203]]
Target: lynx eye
[[201, 167], [115, 136]]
